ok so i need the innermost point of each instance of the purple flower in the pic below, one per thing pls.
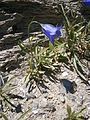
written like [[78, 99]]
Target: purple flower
[[86, 2], [51, 31]]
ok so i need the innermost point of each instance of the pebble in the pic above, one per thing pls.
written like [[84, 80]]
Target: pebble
[[35, 107], [89, 81], [64, 74], [62, 98]]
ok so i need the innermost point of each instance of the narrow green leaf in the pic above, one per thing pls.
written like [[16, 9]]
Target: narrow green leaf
[[79, 63], [79, 73], [51, 47], [69, 111], [73, 115], [80, 112], [42, 51], [4, 88], [64, 14]]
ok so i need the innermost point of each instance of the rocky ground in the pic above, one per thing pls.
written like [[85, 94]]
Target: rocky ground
[[47, 99]]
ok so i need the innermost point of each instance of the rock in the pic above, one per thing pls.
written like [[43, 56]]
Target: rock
[[10, 38], [50, 107], [35, 107], [10, 59], [50, 96], [64, 74], [9, 22], [62, 98], [13, 14], [31, 96], [15, 17], [69, 86], [4, 15], [49, 100]]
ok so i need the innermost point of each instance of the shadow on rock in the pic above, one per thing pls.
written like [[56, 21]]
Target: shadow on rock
[[69, 86], [39, 83]]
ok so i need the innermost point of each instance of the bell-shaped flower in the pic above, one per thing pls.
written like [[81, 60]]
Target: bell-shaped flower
[[86, 2], [51, 31]]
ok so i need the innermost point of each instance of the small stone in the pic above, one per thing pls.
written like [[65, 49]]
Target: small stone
[[11, 38], [50, 107], [35, 111], [45, 95], [50, 97], [35, 107], [88, 108], [30, 96], [89, 81], [62, 99], [64, 74]]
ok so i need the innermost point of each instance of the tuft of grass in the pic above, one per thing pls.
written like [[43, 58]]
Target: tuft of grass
[[4, 97], [72, 115], [70, 49]]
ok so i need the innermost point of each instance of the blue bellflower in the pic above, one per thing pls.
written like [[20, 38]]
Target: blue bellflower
[[51, 31], [86, 2]]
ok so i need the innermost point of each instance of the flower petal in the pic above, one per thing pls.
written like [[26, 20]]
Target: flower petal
[[51, 37], [58, 33], [51, 31], [49, 27], [47, 33]]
